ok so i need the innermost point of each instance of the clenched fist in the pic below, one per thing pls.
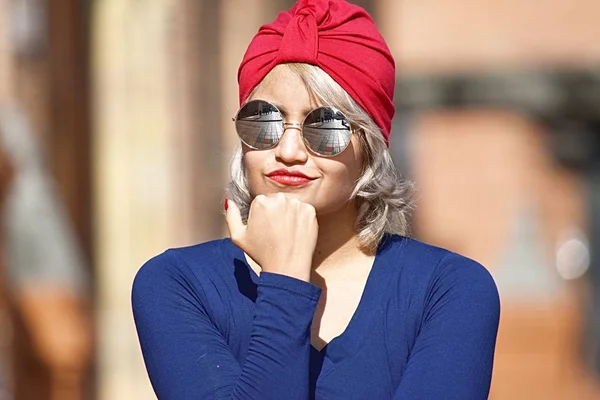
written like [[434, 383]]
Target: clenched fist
[[280, 234]]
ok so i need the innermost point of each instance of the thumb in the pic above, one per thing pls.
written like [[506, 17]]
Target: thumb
[[235, 225]]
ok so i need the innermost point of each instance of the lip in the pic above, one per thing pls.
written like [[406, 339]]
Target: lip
[[289, 177]]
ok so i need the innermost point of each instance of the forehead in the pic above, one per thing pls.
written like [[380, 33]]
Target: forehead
[[286, 89]]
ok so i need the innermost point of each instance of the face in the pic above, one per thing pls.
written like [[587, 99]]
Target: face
[[330, 179]]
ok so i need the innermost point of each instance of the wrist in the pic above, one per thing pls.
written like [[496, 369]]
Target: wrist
[[297, 271]]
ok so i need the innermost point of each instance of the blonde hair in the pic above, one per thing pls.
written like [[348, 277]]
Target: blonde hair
[[383, 198]]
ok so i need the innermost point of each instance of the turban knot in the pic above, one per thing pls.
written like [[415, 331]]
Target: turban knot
[[340, 38]]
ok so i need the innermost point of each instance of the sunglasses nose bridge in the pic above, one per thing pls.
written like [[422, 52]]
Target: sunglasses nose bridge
[[292, 125], [291, 146]]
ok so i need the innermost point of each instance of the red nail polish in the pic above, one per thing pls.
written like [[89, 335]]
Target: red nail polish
[[226, 205]]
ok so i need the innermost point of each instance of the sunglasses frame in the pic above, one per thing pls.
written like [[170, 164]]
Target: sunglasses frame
[[293, 125]]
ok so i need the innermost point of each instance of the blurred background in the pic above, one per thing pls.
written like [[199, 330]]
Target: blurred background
[[115, 136]]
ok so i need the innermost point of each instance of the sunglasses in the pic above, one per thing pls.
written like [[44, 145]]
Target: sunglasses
[[325, 130]]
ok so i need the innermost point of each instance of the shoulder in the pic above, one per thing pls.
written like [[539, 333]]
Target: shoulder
[[437, 271], [429, 260], [185, 266], [412, 252]]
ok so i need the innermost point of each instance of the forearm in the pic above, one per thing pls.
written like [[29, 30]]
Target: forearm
[[277, 364], [188, 354]]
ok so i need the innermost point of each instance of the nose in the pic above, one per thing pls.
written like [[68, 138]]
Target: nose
[[291, 148]]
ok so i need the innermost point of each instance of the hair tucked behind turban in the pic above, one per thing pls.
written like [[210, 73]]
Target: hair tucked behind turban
[[340, 38]]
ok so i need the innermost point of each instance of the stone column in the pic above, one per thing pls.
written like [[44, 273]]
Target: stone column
[[134, 170]]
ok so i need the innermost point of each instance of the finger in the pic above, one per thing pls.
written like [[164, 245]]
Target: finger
[[233, 218]]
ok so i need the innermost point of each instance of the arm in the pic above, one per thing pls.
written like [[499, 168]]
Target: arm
[[454, 351], [56, 320], [186, 355]]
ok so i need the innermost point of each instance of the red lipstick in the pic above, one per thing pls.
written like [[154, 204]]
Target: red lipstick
[[289, 177]]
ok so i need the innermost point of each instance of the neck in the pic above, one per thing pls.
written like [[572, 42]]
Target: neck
[[337, 238]]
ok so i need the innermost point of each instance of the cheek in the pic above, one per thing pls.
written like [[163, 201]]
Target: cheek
[[350, 166], [340, 178], [252, 162]]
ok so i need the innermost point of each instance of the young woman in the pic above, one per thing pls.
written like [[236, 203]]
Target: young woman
[[319, 293]]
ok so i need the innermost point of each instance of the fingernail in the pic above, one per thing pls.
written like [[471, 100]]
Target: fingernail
[[226, 205]]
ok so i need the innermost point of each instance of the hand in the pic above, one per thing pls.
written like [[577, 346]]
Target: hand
[[280, 235]]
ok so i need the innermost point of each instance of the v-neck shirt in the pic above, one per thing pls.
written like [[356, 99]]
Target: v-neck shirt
[[211, 328]]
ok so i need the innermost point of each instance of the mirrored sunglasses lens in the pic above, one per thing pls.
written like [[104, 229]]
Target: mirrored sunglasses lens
[[327, 131], [259, 124]]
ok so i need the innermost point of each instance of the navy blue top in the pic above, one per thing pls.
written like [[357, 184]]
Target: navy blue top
[[210, 328]]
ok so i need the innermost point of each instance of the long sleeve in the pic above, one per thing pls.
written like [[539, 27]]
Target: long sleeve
[[187, 356], [453, 354]]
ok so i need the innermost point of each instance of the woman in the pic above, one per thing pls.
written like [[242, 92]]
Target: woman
[[318, 293]]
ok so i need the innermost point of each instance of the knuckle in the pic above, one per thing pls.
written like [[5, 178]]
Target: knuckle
[[280, 196], [259, 201], [308, 208], [235, 238], [310, 214]]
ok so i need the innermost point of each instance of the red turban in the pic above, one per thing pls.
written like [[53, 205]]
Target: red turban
[[340, 38]]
